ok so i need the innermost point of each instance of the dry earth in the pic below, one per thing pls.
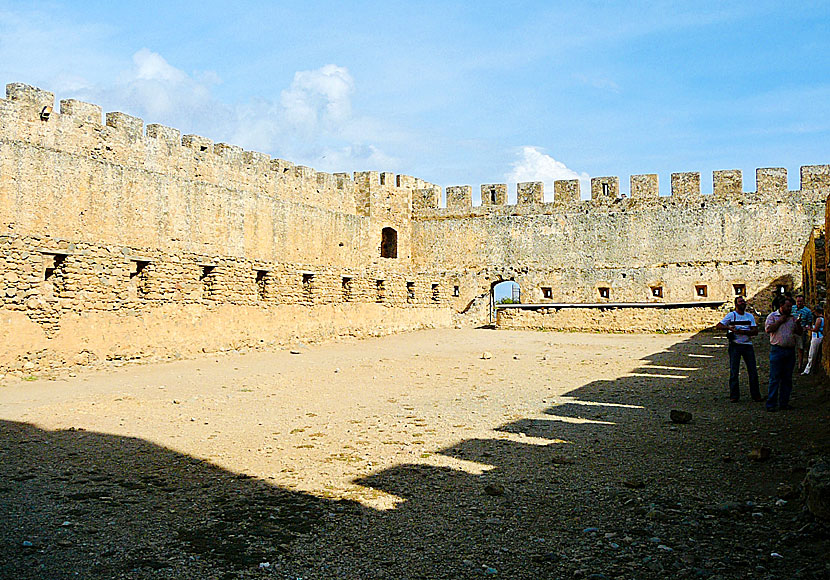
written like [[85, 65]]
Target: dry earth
[[412, 456]]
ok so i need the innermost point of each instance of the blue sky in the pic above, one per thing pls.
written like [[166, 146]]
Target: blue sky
[[455, 93]]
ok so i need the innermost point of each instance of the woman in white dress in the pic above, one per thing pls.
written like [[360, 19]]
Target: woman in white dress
[[818, 336]]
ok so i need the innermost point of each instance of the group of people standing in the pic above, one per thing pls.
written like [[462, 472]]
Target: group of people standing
[[795, 333]]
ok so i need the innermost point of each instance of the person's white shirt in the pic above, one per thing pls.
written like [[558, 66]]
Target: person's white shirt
[[743, 321]]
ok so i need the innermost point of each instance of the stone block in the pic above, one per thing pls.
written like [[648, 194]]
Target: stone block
[[426, 198], [566, 191], [645, 186], [727, 183], [229, 152], [494, 194], [407, 181], [197, 142], [131, 127], [685, 185], [81, 111], [771, 180], [605, 188], [34, 96], [169, 135], [459, 197], [530, 192], [815, 176], [282, 166]]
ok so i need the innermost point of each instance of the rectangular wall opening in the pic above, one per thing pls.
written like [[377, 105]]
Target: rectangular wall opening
[[53, 266], [456, 291], [604, 292], [701, 291], [139, 276], [436, 293], [262, 284], [206, 277], [54, 272], [346, 286], [740, 289], [657, 291], [380, 288], [410, 291], [547, 292], [308, 287]]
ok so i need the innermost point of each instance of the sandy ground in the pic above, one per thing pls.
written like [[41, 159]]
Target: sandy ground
[[352, 432]]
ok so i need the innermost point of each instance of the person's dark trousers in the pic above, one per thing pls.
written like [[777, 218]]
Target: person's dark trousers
[[781, 365], [736, 352]]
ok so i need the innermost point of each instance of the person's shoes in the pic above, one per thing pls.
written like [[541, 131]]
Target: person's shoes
[[805, 373]]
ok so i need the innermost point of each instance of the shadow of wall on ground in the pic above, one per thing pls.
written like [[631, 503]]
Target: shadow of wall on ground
[[618, 478], [584, 487], [90, 505]]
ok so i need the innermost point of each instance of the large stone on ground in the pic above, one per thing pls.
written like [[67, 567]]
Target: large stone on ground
[[817, 489]]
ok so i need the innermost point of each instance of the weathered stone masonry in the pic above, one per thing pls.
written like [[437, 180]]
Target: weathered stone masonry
[[122, 241]]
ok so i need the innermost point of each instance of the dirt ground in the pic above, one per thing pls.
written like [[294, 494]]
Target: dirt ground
[[455, 453]]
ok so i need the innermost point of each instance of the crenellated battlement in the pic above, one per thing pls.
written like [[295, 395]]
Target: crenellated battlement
[[27, 116], [644, 190], [108, 218]]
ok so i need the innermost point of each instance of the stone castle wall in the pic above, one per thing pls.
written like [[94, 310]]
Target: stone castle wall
[[685, 247], [118, 240], [121, 241]]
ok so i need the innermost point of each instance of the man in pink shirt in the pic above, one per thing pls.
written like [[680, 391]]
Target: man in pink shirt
[[784, 330]]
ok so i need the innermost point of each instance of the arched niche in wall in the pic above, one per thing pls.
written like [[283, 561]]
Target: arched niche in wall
[[389, 243]]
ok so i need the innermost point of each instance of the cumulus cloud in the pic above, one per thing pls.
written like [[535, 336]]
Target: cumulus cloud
[[318, 98], [310, 122], [533, 165], [162, 91]]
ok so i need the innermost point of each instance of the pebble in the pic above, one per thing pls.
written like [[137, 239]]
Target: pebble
[[486, 355], [678, 416], [495, 489]]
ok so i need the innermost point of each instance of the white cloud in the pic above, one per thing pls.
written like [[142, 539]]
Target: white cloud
[[318, 98], [533, 165], [311, 123]]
